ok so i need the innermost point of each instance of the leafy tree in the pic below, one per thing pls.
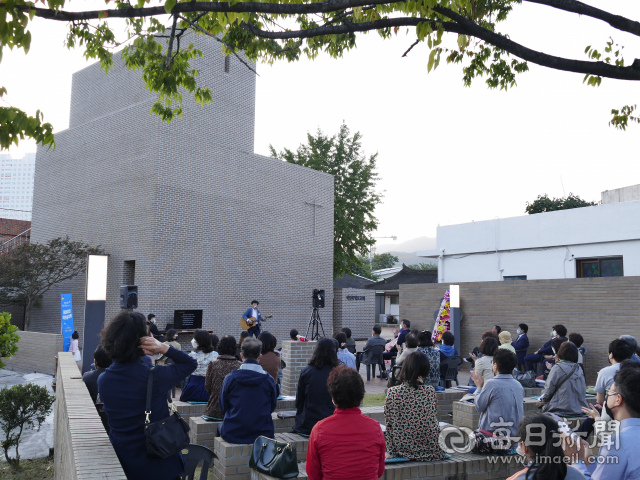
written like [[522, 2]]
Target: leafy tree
[[22, 406], [8, 338], [354, 196], [363, 269], [424, 266], [383, 260], [28, 271], [545, 204], [288, 29]]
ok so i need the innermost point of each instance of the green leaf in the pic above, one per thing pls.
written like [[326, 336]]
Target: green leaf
[[168, 6], [432, 58]]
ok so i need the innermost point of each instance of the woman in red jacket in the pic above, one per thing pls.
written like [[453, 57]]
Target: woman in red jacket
[[346, 445]]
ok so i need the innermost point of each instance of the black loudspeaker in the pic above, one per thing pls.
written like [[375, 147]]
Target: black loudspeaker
[[318, 298], [129, 296]]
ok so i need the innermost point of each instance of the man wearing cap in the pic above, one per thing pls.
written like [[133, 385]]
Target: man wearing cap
[[253, 311]]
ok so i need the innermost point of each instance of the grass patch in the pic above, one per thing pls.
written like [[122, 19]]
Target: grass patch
[[374, 399], [35, 469]]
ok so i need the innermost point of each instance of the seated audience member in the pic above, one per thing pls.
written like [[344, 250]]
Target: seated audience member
[[505, 341], [269, 360], [123, 391], [313, 401], [247, 399], [555, 348], [214, 342], [347, 445], [425, 345], [410, 411], [496, 330], [405, 329], [557, 331], [101, 361], [565, 389], [521, 345], [475, 354], [244, 334], [344, 355], [446, 350], [619, 351], [172, 340], [577, 340], [293, 335], [500, 400], [411, 345], [484, 365], [204, 354], [369, 355], [217, 372], [620, 459], [414, 331], [540, 445], [153, 328], [351, 343], [634, 344]]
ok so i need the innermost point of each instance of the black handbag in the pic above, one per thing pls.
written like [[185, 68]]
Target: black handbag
[[277, 459], [526, 379], [165, 437]]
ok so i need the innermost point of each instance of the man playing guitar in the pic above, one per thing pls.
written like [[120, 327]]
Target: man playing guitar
[[253, 312]]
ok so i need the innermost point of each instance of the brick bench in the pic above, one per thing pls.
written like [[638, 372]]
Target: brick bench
[[188, 410], [462, 466], [445, 403]]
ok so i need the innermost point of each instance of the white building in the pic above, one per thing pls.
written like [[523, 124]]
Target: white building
[[601, 241], [16, 185]]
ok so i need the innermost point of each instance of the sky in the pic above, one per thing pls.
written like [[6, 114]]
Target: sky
[[447, 154]]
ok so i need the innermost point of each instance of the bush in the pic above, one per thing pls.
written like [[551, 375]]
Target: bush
[[22, 406], [8, 337]]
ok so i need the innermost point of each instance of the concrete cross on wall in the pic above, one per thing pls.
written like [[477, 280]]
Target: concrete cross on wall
[[314, 205]]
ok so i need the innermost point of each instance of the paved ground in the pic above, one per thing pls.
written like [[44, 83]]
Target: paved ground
[[34, 444]]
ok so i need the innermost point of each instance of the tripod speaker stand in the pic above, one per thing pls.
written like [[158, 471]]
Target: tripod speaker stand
[[315, 325]]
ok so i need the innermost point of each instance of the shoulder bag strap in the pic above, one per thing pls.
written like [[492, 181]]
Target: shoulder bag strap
[[564, 380], [149, 392]]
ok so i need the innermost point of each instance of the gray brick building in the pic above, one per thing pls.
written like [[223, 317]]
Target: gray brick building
[[186, 211]]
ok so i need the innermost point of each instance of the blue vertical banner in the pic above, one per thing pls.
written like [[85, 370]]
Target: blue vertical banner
[[66, 308]]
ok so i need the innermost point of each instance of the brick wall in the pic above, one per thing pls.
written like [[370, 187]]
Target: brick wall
[[600, 309], [17, 314], [82, 449], [36, 353], [297, 356], [358, 315], [209, 224]]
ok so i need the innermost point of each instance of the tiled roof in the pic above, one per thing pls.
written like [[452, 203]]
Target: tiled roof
[[405, 276]]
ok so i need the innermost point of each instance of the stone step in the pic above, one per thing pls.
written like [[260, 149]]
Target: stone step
[[187, 410]]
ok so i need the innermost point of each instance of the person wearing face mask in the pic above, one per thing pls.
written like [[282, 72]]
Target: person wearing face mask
[[204, 354], [153, 328], [521, 344], [619, 351], [557, 331], [500, 400], [620, 456], [565, 389], [540, 446]]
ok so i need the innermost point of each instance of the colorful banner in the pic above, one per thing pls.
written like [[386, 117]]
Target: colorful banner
[[66, 308]]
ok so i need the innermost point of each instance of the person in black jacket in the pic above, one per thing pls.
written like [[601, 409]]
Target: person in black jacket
[[313, 401], [153, 328], [101, 361]]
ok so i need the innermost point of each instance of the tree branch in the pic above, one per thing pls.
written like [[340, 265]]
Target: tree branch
[[616, 21], [411, 47], [170, 48]]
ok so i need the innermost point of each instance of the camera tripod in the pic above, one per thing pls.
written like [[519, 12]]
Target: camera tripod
[[314, 323]]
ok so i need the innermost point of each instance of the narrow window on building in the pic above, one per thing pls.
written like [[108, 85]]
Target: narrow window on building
[[514, 277], [227, 64], [129, 275], [394, 300], [599, 267]]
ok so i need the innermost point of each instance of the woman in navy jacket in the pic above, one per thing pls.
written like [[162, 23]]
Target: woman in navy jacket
[[123, 390]]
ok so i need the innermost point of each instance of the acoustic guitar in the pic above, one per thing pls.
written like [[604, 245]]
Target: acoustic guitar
[[250, 322]]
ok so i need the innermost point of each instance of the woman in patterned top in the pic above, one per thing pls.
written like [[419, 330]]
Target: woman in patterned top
[[410, 411], [204, 354], [217, 370], [425, 345]]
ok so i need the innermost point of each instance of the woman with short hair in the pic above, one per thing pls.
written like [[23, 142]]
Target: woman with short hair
[[347, 445], [565, 389], [411, 342], [123, 391], [426, 346], [488, 349], [313, 401], [344, 355], [410, 411], [217, 371], [204, 354]]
